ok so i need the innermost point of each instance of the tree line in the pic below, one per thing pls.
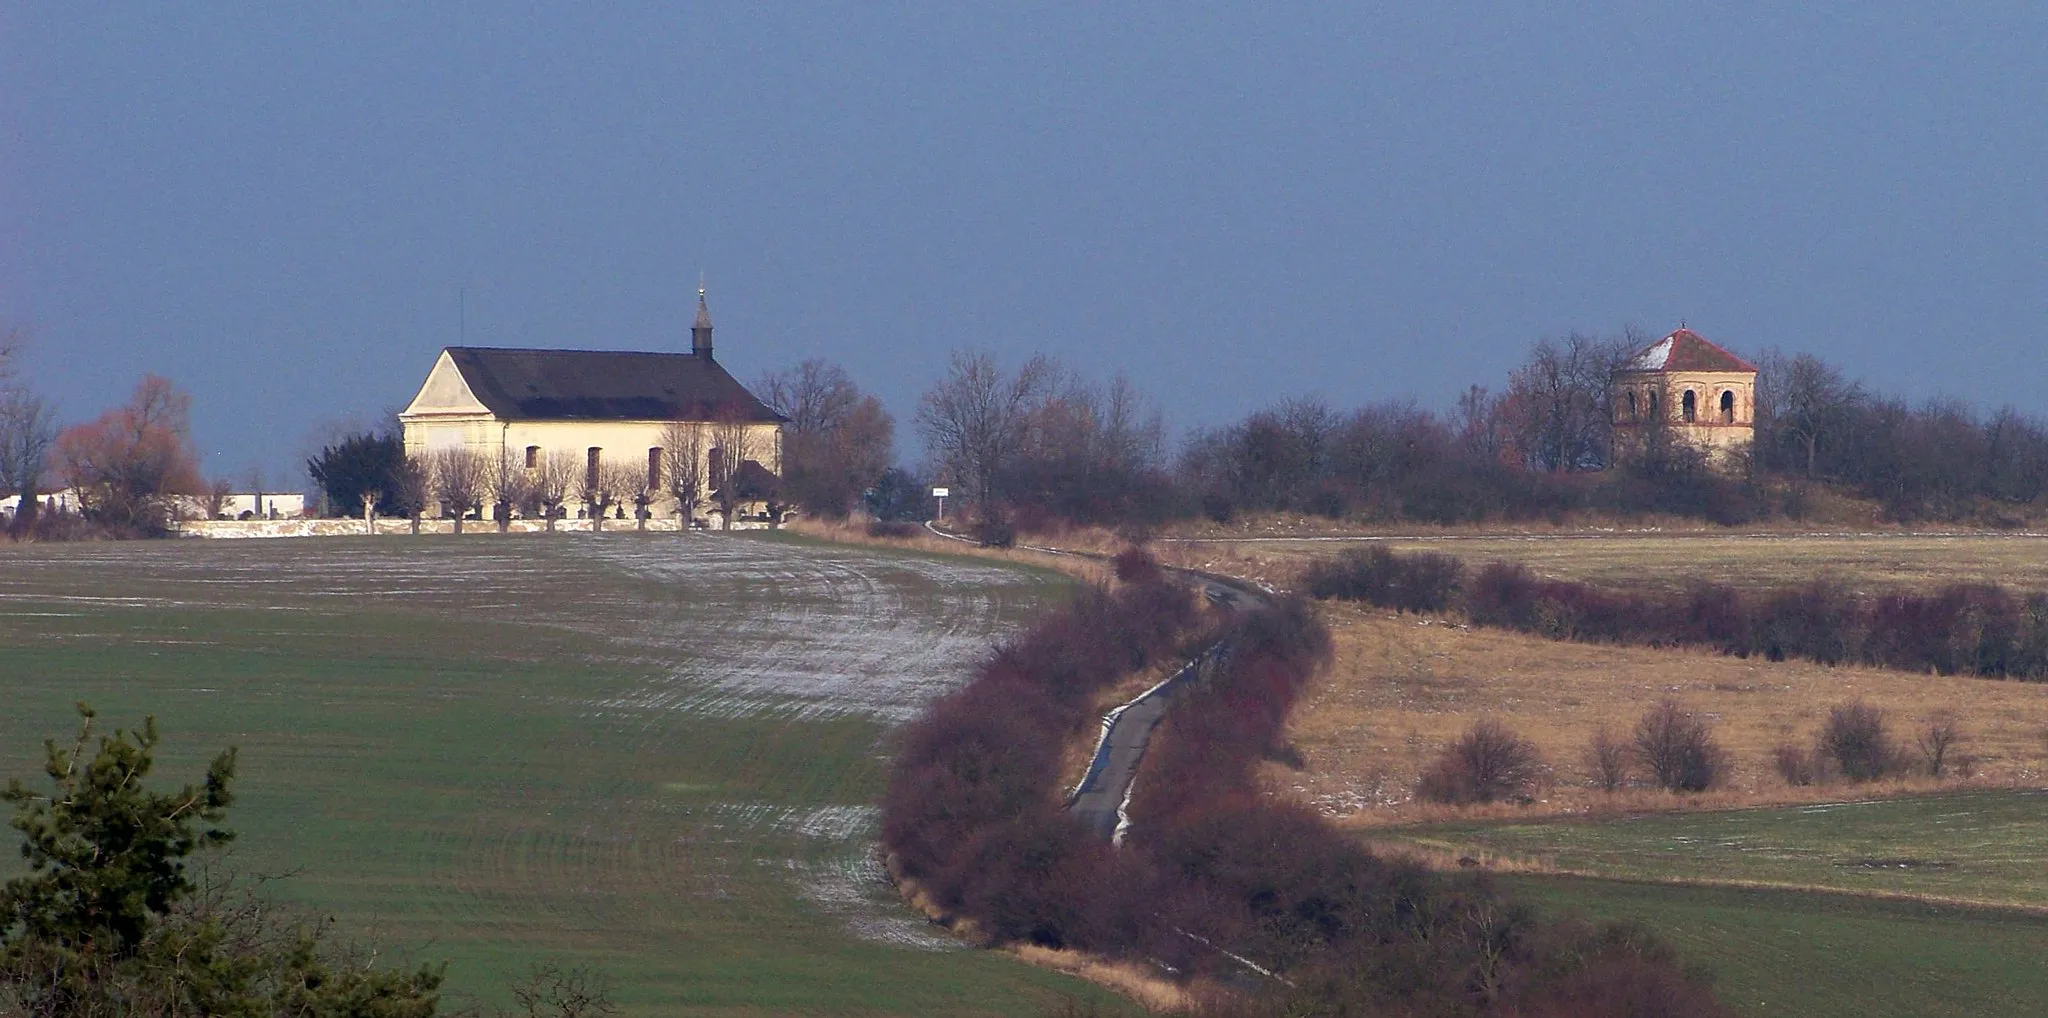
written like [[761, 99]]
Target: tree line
[[1040, 443], [1980, 629]]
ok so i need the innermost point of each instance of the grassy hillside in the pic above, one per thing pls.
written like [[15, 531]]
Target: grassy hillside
[[652, 752]]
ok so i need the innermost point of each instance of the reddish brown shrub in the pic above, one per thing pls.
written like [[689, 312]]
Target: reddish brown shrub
[[895, 530], [1855, 740], [1678, 749], [1486, 764], [1798, 767], [1424, 582], [1607, 759], [1135, 565]]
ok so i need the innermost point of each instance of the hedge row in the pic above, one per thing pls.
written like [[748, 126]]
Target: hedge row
[[1962, 629], [1212, 862]]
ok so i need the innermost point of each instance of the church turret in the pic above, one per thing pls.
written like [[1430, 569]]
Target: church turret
[[700, 333]]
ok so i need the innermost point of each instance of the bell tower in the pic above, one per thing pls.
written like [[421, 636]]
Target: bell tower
[[700, 333]]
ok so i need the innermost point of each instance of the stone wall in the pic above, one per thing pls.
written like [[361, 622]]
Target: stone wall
[[403, 528]]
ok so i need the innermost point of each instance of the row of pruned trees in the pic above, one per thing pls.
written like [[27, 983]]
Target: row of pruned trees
[[699, 464]]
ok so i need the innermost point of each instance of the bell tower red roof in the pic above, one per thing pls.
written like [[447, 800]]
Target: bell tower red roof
[[1686, 350]]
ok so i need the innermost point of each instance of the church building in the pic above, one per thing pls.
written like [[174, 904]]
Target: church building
[[640, 416], [1701, 393]]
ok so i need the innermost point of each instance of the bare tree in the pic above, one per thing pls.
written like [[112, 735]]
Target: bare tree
[[216, 500], [973, 420], [816, 395], [130, 462], [550, 482], [28, 429], [734, 442], [11, 343], [632, 484], [1803, 401], [506, 485], [551, 991], [838, 439], [1937, 739], [1558, 403], [414, 479], [459, 478], [594, 489], [1478, 424], [683, 445]]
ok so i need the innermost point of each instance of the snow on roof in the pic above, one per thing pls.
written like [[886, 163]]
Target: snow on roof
[[1686, 350]]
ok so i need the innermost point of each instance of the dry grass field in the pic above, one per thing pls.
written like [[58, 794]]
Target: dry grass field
[[1400, 688], [1868, 561]]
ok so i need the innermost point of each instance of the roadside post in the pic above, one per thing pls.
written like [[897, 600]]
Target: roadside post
[[940, 494]]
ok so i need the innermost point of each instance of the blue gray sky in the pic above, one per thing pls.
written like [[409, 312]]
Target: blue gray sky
[[286, 208]]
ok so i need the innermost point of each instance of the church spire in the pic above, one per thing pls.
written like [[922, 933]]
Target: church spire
[[700, 333]]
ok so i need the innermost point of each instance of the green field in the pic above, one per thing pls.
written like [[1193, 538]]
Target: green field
[[1984, 847], [1825, 955], [654, 753], [1805, 910]]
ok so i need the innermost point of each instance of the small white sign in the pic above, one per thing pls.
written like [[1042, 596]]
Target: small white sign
[[941, 492]]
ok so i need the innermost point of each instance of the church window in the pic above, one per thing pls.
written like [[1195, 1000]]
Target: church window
[[717, 477], [1653, 402], [1689, 407], [1631, 406], [532, 456], [1727, 407], [590, 464], [654, 469]]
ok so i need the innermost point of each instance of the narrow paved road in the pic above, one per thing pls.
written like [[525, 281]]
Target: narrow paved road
[[1104, 793], [1101, 799]]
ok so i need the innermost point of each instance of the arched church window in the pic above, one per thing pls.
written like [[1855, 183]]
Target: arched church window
[[532, 456], [1631, 406], [1727, 406], [591, 460], [1689, 407], [654, 469], [1653, 402]]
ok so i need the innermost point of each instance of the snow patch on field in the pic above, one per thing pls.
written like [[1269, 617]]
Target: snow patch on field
[[852, 885], [718, 627], [813, 633]]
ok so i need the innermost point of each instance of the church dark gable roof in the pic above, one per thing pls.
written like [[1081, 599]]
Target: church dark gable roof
[[604, 385]]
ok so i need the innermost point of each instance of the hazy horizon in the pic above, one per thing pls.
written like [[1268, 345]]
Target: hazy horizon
[[289, 211]]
